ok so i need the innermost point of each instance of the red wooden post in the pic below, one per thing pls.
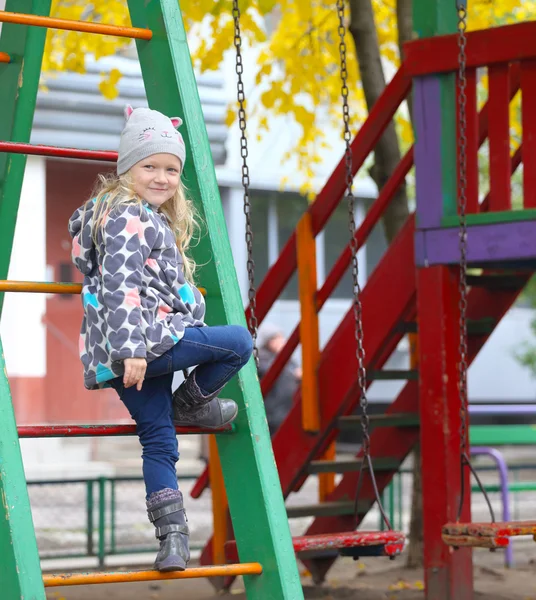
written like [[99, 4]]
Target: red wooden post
[[499, 138], [471, 133], [528, 98], [448, 573]]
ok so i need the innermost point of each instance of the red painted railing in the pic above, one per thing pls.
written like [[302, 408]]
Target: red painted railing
[[508, 56]]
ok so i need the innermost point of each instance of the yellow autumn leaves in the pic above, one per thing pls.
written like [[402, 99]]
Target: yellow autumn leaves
[[295, 46]]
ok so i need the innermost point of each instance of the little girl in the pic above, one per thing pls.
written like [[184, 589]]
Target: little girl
[[144, 318]]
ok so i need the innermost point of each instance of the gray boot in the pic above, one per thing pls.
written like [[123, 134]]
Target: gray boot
[[165, 510], [192, 408]]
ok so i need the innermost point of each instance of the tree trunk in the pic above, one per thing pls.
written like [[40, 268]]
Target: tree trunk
[[414, 557], [404, 19], [386, 158], [387, 152]]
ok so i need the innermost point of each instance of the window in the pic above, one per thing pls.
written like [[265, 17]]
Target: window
[[274, 218]]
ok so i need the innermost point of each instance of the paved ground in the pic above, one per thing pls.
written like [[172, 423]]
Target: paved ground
[[60, 518]]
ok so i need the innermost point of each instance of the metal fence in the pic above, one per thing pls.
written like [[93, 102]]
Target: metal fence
[[93, 517]]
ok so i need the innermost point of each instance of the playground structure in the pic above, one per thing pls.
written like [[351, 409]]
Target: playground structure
[[421, 266]]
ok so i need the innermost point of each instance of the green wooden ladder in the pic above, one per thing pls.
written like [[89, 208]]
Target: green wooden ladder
[[255, 500]]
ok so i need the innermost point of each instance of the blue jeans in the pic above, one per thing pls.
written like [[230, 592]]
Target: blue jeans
[[219, 353]]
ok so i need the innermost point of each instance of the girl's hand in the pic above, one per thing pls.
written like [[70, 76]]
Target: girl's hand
[[134, 372]]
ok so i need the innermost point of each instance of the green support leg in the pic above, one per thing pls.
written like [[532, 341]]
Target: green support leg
[[252, 482], [20, 570], [19, 81]]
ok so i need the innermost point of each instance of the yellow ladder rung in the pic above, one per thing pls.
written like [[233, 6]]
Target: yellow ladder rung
[[48, 288], [63, 579]]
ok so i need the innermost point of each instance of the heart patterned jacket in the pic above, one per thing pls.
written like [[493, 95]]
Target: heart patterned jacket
[[135, 297]]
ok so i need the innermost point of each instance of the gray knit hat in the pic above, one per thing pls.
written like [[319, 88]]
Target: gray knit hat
[[148, 132]]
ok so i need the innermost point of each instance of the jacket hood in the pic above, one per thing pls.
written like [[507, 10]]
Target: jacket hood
[[83, 252]]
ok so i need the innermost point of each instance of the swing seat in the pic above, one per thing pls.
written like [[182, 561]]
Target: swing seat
[[356, 544], [486, 535]]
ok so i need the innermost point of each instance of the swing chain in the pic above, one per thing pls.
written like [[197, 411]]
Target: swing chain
[[253, 322], [462, 203], [461, 6], [357, 306]]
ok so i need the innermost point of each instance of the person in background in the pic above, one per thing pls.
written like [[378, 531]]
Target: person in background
[[279, 399]]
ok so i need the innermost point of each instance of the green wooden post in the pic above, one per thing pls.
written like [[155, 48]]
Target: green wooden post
[[19, 82], [448, 575], [20, 569], [252, 482], [439, 17]]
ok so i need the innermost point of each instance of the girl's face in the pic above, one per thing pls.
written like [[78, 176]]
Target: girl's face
[[156, 178]]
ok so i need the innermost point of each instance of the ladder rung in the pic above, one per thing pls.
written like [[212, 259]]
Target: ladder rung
[[36, 150], [49, 431], [393, 374], [39, 287], [327, 509], [350, 465], [63, 579], [385, 420], [474, 326], [72, 25], [505, 281], [4, 57]]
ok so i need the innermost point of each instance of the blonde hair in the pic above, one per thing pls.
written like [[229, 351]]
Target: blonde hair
[[114, 190]]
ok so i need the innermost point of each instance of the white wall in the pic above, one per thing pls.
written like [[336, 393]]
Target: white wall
[[21, 327]]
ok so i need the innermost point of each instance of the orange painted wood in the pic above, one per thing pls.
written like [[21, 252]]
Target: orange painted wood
[[326, 481], [219, 503], [472, 127], [71, 25], [499, 138], [306, 257], [64, 579], [4, 57], [528, 123]]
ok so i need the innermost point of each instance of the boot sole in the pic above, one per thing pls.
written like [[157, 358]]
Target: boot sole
[[167, 566], [190, 424]]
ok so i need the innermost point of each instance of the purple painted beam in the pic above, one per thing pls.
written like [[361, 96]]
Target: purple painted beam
[[495, 242], [428, 166]]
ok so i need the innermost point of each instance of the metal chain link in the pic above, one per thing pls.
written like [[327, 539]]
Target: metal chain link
[[252, 296], [357, 306], [462, 206]]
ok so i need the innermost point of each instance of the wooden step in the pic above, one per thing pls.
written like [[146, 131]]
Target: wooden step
[[326, 509], [499, 281], [351, 422], [482, 326], [393, 375], [348, 465], [64, 579]]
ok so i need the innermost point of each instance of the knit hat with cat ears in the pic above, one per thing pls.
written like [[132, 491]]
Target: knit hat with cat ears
[[148, 132]]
